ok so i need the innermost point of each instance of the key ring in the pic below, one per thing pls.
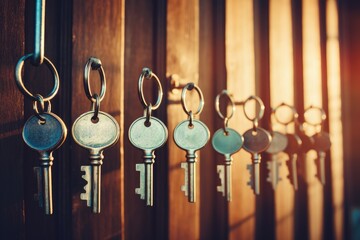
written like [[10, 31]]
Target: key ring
[[217, 107], [191, 86], [20, 83], [294, 117], [148, 74], [38, 113], [260, 113], [322, 116], [94, 64], [96, 108]]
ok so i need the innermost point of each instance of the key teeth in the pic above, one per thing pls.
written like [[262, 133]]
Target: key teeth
[[184, 187], [86, 176], [250, 183], [39, 195], [221, 172], [140, 167]]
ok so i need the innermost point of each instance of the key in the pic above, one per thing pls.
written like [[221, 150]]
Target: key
[[95, 136], [278, 144], [226, 143], [293, 148], [322, 144], [147, 138], [45, 137], [256, 143], [190, 138]]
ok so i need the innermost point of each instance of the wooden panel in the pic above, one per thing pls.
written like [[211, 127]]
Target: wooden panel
[[281, 81], [11, 120], [182, 58], [240, 66], [103, 40]]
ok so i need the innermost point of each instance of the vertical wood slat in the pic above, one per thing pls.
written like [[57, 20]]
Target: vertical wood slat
[[312, 96], [240, 66], [140, 220], [182, 58], [281, 80], [335, 116], [11, 119], [103, 40]]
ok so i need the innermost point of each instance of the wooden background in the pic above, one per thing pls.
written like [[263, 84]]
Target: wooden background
[[300, 52]]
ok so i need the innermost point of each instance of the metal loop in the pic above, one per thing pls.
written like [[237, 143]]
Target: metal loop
[[226, 122], [217, 105], [96, 106], [94, 64], [38, 113], [39, 34], [260, 113], [294, 117], [148, 112], [255, 125], [191, 118], [191, 86], [20, 83], [322, 114], [148, 74]]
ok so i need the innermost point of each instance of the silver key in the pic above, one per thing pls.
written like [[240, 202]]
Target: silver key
[[147, 138], [293, 148], [226, 143], [94, 136], [256, 143], [278, 144], [45, 137], [190, 139], [322, 144]]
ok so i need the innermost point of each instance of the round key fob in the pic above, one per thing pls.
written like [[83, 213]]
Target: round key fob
[[227, 143], [44, 136], [148, 137], [294, 144], [322, 141], [95, 135], [256, 142], [278, 143], [191, 137]]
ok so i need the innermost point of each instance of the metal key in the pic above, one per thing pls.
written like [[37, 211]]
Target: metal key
[[256, 143], [45, 137], [226, 142], [322, 144], [147, 138], [190, 138], [293, 148], [95, 136], [278, 144]]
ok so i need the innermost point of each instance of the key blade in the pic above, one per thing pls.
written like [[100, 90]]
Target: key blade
[[321, 168], [274, 172], [140, 167], [221, 172], [250, 183], [87, 177], [39, 196], [184, 187]]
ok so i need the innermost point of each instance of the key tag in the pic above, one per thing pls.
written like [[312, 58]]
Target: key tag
[[321, 139], [256, 141], [227, 142], [147, 133], [95, 131], [191, 135], [294, 141]]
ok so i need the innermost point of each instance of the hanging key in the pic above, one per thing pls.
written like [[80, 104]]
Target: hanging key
[[45, 135], [321, 140], [94, 131], [226, 141], [147, 133], [191, 135], [43, 132], [278, 144], [256, 141], [294, 141]]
